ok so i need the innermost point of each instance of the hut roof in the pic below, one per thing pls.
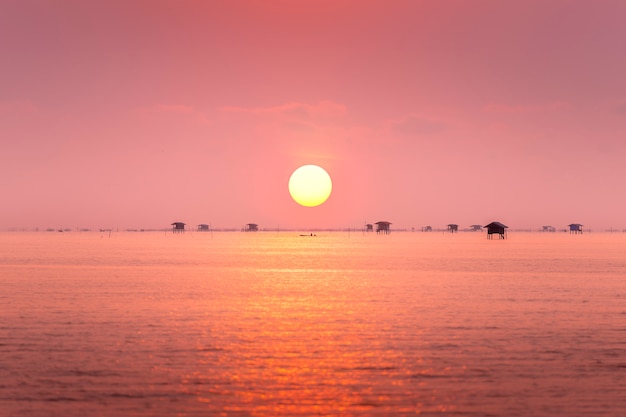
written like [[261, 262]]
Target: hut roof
[[382, 222], [496, 224], [575, 224], [178, 223]]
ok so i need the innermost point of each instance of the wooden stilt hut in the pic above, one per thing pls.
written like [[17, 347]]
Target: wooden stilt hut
[[496, 228], [251, 227], [383, 227], [575, 228]]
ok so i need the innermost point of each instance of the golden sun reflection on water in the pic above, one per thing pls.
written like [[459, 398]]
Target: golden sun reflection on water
[[316, 346]]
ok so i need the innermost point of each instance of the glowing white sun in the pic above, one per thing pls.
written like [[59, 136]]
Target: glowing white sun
[[310, 185]]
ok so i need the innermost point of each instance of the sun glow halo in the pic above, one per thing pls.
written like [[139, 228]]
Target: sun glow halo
[[310, 185]]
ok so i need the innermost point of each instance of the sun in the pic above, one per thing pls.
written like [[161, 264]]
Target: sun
[[310, 185]]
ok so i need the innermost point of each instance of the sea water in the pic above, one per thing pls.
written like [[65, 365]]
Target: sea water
[[337, 324]]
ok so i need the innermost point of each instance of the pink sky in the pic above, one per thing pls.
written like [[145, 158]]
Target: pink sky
[[140, 113]]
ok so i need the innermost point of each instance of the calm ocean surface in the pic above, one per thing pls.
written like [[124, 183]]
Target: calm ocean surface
[[274, 324]]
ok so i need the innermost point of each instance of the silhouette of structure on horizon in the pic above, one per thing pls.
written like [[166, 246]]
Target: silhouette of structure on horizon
[[575, 228], [427, 229], [453, 228], [496, 228], [548, 229], [178, 227], [383, 227], [369, 227], [203, 227], [251, 227], [476, 228]]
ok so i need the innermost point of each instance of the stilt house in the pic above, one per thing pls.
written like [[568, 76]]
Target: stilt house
[[496, 228], [575, 228], [383, 227], [251, 227]]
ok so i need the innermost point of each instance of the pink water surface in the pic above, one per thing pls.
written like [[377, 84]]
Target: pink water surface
[[275, 324]]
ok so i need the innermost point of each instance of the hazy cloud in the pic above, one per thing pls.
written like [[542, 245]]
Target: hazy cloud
[[175, 109], [419, 125], [17, 107], [620, 107], [532, 108], [294, 110]]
